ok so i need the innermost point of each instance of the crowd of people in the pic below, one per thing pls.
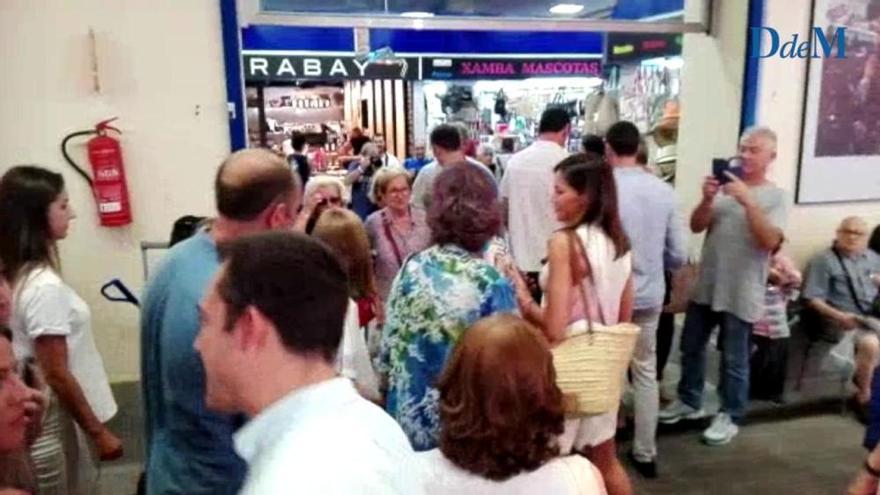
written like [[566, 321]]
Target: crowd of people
[[393, 332]]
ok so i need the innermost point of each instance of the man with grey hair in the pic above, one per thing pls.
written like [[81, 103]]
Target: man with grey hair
[[841, 286], [744, 226]]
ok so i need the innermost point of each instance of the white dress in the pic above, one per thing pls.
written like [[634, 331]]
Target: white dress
[[610, 276]]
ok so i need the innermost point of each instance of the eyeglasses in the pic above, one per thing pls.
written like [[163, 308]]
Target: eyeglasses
[[856, 233], [397, 191]]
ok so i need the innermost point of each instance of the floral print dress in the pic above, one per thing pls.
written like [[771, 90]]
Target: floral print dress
[[438, 294]]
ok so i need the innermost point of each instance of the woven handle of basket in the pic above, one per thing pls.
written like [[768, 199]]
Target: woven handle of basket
[[576, 246]]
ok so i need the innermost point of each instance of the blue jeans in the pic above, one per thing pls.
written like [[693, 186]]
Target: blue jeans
[[734, 339]]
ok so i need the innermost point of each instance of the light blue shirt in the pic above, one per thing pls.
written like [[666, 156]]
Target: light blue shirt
[[655, 228], [189, 448]]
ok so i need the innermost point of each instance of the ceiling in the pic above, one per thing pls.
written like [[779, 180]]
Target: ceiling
[[614, 9]]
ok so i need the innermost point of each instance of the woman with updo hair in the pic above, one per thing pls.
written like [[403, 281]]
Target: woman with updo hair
[[437, 295]]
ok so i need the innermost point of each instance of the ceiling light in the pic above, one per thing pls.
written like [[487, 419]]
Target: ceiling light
[[419, 14], [566, 8]]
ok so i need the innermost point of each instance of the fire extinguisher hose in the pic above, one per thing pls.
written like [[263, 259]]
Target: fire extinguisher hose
[[67, 157]]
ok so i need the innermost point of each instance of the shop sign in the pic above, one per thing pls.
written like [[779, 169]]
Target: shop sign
[[633, 47], [287, 68], [508, 68]]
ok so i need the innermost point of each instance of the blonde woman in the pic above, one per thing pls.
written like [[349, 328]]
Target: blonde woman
[[398, 229], [344, 233]]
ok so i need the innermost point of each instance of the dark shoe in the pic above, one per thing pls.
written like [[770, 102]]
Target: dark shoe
[[648, 470], [861, 411]]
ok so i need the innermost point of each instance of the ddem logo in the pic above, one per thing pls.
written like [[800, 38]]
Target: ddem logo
[[819, 46]]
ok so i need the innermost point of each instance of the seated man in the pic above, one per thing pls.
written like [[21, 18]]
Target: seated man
[[841, 285]]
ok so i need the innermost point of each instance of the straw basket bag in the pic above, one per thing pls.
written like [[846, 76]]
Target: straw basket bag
[[591, 362]]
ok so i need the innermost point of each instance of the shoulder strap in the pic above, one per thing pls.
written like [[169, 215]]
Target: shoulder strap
[[576, 246], [849, 282], [386, 226]]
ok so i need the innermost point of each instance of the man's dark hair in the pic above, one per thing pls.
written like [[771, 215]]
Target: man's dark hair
[[297, 141], [292, 279], [594, 144], [447, 137], [246, 199], [624, 137], [554, 119]]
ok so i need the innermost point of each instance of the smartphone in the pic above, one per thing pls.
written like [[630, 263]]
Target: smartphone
[[722, 165]]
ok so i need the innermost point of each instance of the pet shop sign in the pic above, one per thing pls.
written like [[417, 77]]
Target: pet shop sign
[[508, 68]]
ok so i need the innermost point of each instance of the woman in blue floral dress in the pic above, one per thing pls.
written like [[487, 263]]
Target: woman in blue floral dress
[[437, 295]]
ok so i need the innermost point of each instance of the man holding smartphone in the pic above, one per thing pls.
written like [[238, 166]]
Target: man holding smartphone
[[744, 225]]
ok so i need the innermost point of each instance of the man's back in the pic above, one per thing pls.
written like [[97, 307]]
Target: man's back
[[656, 231], [189, 449], [527, 186]]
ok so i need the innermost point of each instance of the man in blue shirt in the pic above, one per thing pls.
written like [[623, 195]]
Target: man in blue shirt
[[415, 163], [189, 448], [841, 285], [655, 228]]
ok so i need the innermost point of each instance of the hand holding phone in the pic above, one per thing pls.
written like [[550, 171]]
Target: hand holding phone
[[721, 166]]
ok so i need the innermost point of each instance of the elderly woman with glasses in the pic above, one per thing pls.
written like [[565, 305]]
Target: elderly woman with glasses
[[398, 229]]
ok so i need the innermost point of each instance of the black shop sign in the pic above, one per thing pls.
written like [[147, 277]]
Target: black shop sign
[[634, 47], [287, 68], [508, 68]]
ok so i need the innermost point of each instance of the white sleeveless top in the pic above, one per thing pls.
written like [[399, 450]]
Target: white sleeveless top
[[609, 279]]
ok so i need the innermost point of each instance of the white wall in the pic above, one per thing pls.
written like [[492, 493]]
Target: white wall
[[780, 106], [161, 68], [711, 98]]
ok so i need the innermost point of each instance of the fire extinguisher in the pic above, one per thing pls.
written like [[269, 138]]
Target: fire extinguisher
[[108, 173]]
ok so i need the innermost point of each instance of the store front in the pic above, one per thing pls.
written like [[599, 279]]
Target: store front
[[495, 80]]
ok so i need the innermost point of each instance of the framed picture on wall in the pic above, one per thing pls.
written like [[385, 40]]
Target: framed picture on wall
[[840, 138]]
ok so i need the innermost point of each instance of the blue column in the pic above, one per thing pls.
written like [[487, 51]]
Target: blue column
[[751, 77], [232, 64]]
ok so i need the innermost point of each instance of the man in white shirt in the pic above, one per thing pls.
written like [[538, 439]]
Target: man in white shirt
[[388, 160], [447, 145], [526, 192], [269, 342]]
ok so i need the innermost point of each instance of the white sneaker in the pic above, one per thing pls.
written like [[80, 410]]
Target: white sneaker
[[677, 411], [722, 430]]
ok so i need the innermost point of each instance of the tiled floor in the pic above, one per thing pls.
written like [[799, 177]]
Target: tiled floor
[[814, 455]]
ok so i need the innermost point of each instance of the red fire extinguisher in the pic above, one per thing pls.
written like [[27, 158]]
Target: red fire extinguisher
[[108, 173]]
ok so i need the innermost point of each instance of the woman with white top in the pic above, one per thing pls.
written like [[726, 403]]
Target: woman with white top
[[501, 415], [592, 251], [52, 324]]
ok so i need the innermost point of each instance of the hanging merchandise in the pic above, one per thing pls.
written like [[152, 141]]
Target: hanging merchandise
[[665, 134], [108, 186], [644, 92], [501, 105], [607, 114]]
